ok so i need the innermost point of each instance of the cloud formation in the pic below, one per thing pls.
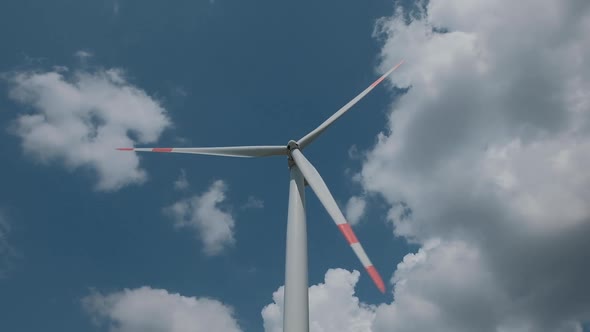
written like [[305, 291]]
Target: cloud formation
[[212, 224], [79, 119], [355, 209], [157, 310], [332, 306], [485, 165], [83, 55], [182, 182], [253, 203]]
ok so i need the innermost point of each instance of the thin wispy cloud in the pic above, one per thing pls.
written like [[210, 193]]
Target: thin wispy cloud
[[354, 153], [83, 55], [7, 251], [182, 182], [253, 203]]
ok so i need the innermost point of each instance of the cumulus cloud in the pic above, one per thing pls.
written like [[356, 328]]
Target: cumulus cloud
[[79, 119], [212, 224], [332, 306], [157, 310], [485, 165], [445, 287], [355, 209]]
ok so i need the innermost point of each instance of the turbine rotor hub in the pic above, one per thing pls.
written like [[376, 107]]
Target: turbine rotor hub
[[292, 145]]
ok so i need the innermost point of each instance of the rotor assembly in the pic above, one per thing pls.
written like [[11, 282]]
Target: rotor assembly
[[302, 173]]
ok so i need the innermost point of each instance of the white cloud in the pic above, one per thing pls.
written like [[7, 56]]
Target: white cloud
[[485, 165], [80, 119], [444, 287], [354, 153], [83, 55], [332, 306], [157, 310], [182, 182], [202, 213], [253, 203], [355, 209]]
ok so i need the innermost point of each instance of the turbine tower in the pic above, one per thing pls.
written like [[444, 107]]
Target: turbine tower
[[296, 311]]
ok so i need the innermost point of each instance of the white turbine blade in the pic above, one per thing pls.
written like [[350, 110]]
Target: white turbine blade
[[319, 187], [227, 151], [307, 139]]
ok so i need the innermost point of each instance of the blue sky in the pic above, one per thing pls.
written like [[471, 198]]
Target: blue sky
[[466, 169], [227, 73]]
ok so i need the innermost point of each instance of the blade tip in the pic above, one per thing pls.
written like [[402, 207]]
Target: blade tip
[[376, 277]]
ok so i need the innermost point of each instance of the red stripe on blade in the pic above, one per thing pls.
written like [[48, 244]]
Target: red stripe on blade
[[162, 150], [125, 149], [376, 278], [386, 74], [348, 233], [378, 81]]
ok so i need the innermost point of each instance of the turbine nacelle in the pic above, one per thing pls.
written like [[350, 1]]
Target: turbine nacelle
[[292, 145]]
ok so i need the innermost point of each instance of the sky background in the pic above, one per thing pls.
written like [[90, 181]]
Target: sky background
[[465, 174], [227, 73]]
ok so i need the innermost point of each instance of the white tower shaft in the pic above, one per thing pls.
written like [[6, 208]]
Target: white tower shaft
[[296, 311]]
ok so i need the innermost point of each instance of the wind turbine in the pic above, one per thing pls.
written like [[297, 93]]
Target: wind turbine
[[296, 311]]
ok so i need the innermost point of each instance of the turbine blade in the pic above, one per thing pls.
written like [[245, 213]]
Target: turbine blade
[[319, 187], [307, 139], [227, 151]]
